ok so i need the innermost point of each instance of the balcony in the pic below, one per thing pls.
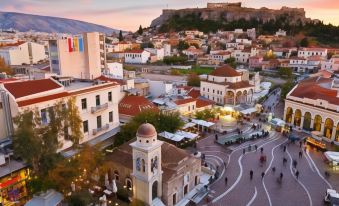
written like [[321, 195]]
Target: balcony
[[101, 129], [99, 108]]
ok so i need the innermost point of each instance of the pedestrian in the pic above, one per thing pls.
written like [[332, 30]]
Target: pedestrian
[[251, 174], [261, 150], [284, 148], [216, 137], [226, 180], [243, 151], [273, 169], [256, 147], [300, 143], [262, 175], [295, 163], [300, 154], [281, 175], [284, 161], [297, 174], [249, 147]]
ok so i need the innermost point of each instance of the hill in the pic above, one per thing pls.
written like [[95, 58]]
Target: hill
[[26, 22]]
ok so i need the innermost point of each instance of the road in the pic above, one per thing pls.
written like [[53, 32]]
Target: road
[[309, 189]]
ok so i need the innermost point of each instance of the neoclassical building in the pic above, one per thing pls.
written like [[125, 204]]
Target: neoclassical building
[[225, 85], [155, 171], [313, 105]]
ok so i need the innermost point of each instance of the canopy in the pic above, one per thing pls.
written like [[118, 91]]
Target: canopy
[[316, 135], [171, 136], [187, 135], [188, 125], [202, 122], [158, 101], [332, 156], [248, 111], [278, 122]]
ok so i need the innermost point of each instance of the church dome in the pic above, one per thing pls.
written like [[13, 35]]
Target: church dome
[[146, 130]]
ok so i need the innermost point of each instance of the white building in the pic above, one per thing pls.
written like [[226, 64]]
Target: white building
[[137, 57], [226, 86], [167, 50], [313, 105], [158, 88], [97, 104], [80, 56], [159, 53], [244, 41], [307, 52], [305, 65], [280, 32], [23, 53], [115, 70], [332, 64]]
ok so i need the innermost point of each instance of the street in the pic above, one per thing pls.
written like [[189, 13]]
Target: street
[[308, 189]]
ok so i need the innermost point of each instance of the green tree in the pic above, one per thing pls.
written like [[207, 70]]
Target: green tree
[[121, 37], [231, 61], [140, 30], [205, 114], [193, 80], [304, 42], [285, 72], [74, 121], [286, 88], [182, 45]]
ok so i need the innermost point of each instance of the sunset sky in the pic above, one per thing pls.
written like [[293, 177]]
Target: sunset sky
[[129, 14]]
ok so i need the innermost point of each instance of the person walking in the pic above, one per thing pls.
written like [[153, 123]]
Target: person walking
[[262, 175], [251, 174], [256, 147], [300, 154], [297, 174], [284, 161], [295, 163], [226, 180], [273, 169], [284, 148], [216, 137], [281, 175], [261, 150], [300, 143], [243, 151]]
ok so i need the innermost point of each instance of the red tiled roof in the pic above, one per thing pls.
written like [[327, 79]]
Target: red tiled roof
[[225, 71], [184, 101], [203, 103], [8, 80], [133, 105], [90, 89], [26, 88], [107, 79], [239, 85], [13, 44], [42, 99], [135, 51], [194, 93]]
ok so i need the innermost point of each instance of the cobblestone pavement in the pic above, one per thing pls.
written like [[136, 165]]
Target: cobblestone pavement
[[308, 189]]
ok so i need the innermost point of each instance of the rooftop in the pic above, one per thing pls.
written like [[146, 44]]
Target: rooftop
[[225, 71], [133, 105]]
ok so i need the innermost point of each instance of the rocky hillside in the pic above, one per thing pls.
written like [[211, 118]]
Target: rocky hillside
[[26, 22]]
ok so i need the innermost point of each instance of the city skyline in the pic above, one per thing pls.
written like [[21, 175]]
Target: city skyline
[[142, 13]]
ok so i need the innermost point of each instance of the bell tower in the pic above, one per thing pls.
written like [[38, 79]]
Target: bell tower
[[147, 172]]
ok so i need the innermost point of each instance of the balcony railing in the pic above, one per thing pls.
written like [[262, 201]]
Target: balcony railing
[[101, 129], [99, 108]]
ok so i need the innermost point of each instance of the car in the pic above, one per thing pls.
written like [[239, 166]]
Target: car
[[331, 197]]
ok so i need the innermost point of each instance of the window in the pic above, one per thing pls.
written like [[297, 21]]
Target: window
[[174, 198], [109, 96], [97, 100], [98, 122], [44, 116], [84, 104], [85, 126], [110, 116]]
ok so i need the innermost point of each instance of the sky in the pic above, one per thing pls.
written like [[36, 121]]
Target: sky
[[129, 14]]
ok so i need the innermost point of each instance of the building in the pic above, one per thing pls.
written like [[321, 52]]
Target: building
[[313, 105], [256, 61], [137, 57], [115, 69], [131, 106], [23, 53], [220, 57], [305, 65], [307, 52], [193, 53], [80, 56], [158, 88], [280, 32], [148, 167], [226, 86], [97, 104], [331, 64]]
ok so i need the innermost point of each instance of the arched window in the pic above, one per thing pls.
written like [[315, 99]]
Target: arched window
[[116, 175], [328, 128], [138, 164], [297, 117], [317, 123], [307, 121], [289, 113], [337, 133], [128, 183], [143, 165]]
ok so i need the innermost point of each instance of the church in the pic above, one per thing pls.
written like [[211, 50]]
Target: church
[[156, 172]]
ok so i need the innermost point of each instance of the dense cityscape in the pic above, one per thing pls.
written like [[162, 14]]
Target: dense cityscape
[[221, 105]]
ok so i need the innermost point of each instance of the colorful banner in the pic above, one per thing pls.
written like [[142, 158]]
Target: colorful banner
[[75, 44], [70, 45], [81, 44]]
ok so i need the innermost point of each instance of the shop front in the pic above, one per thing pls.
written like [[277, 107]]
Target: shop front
[[13, 189]]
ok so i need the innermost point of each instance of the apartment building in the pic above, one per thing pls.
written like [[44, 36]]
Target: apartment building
[[97, 104], [79, 56]]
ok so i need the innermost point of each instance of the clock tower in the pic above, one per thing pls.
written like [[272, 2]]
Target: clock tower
[[147, 172]]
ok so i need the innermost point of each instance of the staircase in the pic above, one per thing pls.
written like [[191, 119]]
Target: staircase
[[157, 202]]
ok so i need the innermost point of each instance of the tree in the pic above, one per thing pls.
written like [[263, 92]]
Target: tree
[[285, 72], [140, 30], [74, 121], [304, 42], [183, 45], [4, 67], [193, 80], [121, 37], [286, 88], [231, 61], [205, 114]]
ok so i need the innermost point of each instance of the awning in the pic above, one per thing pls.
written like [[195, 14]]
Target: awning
[[332, 156], [202, 122], [248, 111], [171, 136], [188, 125], [187, 135]]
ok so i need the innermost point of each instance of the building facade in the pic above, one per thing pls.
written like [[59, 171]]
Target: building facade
[[313, 105], [23, 53]]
